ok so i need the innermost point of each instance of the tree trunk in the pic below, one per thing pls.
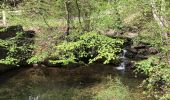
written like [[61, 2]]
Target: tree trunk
[[159, 18], [163, 10], [67, 4], [87, 22], [4, 17], [109, 1], [79, 13], [162, 22]]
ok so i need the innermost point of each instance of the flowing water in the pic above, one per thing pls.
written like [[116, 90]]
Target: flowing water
[[124, 60], [69, 83]]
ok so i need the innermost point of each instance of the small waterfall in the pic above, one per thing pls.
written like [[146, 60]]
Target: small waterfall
[[123, 63], [33, 98]]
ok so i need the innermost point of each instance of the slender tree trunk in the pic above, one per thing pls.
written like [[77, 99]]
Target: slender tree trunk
[[4, 17], [163, 10], [67, 4], [155, 13], [79, 13], [162, 22], [159, 18], [45, 21], [86, 21], [109, 1], [86, 15]]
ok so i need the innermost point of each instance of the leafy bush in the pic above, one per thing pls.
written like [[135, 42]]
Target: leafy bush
[[90, 45], [18, 49], [156, 66], [158, 74], [165, 97]]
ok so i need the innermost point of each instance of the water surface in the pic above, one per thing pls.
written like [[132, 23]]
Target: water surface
[[72, 83]]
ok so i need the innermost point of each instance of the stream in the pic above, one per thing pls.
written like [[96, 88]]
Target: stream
[[72, 82]]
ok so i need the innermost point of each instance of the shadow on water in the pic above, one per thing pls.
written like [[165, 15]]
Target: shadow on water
[[7, 75], [63, 83]]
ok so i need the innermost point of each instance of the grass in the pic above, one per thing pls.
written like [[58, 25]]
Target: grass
[[112, 89], [29, 22]]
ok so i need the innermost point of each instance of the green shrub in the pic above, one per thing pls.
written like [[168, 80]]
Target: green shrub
[[18, 49], [158, 74], [165, 97], [90, 45]]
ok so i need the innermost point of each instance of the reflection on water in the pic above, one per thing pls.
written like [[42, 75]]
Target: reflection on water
[[63, 83]]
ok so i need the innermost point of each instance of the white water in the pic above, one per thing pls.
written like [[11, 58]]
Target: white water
[[33, 98], [123, 63]]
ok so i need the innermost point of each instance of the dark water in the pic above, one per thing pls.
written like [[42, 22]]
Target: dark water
[[63, 83]]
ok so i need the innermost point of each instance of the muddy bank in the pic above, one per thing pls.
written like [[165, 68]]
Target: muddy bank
[[4, 68]]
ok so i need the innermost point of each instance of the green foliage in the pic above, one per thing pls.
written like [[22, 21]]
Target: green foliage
[[9, 61], [113, 90], [38, 58], [106, 17], [156, 67], [165, 97], [90, 45], [18, 49], [94, 15], [44, 45], [147, 66], [151, 35], [159, 75], [2, 29]]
